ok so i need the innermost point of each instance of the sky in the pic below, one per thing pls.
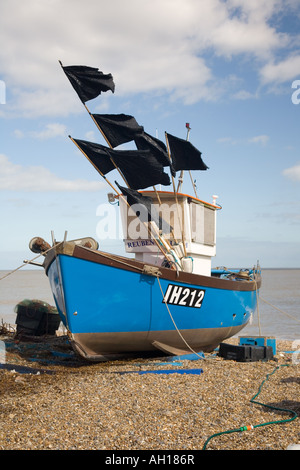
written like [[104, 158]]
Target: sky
[[229, 68]]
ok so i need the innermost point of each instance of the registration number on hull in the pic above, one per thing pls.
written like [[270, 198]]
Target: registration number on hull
[[184, 296]]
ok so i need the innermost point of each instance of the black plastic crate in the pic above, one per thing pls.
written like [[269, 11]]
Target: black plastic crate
[[245, 353]]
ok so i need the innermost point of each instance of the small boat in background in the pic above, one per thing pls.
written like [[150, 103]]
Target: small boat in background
[[163, 295]]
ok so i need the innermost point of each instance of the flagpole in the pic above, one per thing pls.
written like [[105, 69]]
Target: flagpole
[[187, 138], [100, 172], [104, 136], [193, 184], [157, 195], [108, 143], [180, 179]]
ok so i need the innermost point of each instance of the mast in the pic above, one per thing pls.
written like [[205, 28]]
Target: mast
[[180, 180], [180, 220]]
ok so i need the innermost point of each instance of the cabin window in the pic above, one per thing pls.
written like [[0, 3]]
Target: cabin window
[[202, 224]]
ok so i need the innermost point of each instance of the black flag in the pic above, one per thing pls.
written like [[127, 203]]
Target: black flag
[[140, 168], [144, 208], [97, 155], [88, 82], [145, 141], [184, 155], [118, 128]]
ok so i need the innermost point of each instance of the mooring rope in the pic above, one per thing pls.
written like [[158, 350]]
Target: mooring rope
[[25, 263], [173, 321], [257, 306], [285, 313]]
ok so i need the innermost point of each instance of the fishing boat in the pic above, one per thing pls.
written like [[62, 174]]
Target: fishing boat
[[163, 295]]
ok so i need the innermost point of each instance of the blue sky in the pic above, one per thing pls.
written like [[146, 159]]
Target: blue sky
[[229, 68]]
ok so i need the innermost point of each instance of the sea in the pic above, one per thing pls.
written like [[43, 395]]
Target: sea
[[278, 313]]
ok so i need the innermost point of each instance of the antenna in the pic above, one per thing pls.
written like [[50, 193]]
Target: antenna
[[187, 125]]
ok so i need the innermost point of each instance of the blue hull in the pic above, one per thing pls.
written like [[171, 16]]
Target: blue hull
[[111, 308]]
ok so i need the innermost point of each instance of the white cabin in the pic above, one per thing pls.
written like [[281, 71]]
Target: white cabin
[[193, 237]]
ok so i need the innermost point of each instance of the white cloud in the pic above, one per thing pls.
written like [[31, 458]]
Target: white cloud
[[282, 71], [244, 95], [259, 139], [44, 102], [38, 178], [227, 140], [50, 131], [153, 47], [238, 37], [292, 173], [90, 135], [18, 134]]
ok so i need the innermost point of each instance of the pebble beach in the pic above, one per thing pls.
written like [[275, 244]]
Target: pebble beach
[[69, 404]]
